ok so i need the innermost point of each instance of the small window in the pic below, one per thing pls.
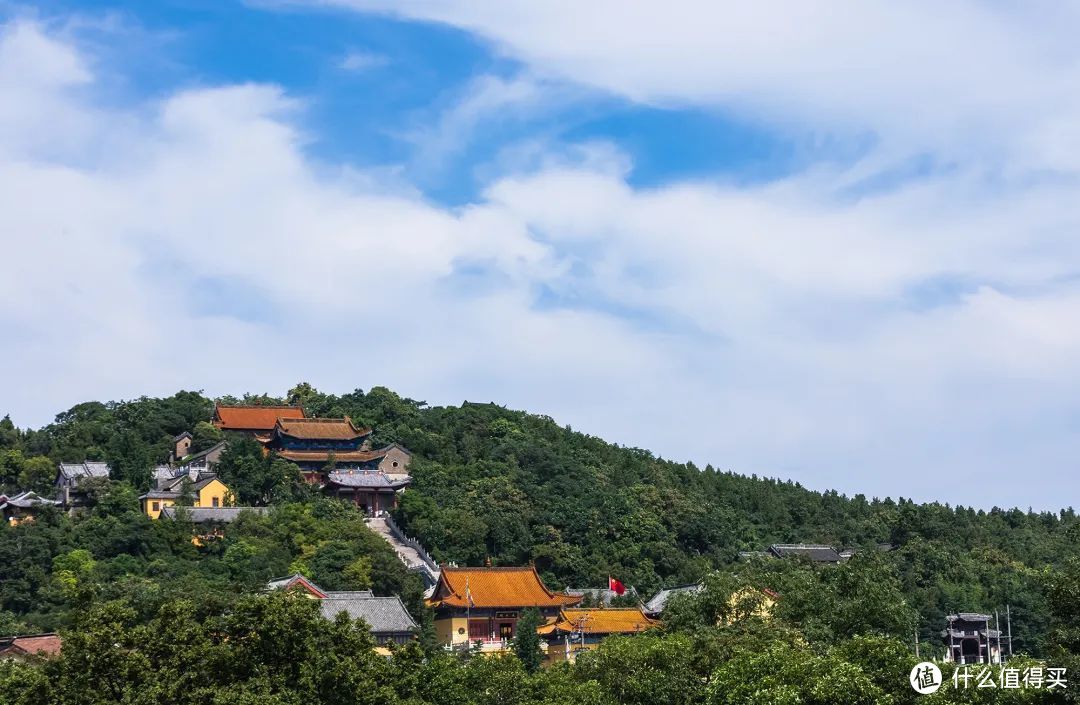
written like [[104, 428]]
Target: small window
[[395, 463], [156, 506], [217, 502]]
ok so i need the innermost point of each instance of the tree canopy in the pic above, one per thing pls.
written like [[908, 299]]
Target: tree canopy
[[506, 487]]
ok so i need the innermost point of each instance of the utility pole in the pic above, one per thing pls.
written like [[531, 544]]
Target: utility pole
[[951, 654], [1008, 620], [997, 628], [916, 642]]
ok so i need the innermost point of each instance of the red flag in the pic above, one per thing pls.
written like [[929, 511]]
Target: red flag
[[615, 586]]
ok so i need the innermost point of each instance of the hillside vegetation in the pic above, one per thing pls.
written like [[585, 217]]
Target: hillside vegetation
[[492, 484]]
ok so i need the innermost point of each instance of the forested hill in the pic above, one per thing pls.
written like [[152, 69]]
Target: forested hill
[[512, 487]]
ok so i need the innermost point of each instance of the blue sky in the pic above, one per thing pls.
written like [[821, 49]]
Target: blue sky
[[373, 85], [834, 248]]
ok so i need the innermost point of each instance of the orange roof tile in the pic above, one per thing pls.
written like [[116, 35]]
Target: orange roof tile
[[321, 429], [38, 644], [495, 587], [245, 418], [610, 620]]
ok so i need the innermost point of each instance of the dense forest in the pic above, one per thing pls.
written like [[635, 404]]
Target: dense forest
[[492, 484]]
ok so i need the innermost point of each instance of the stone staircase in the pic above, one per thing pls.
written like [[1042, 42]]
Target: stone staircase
[[409, 550]]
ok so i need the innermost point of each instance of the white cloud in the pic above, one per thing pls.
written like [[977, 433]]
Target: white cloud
[[487, 102], [357, 61], [776, 329], [955, 78]]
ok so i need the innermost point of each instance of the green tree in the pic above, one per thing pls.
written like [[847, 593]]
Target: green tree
[[789, 673], [646, 669], [37, 474], [358, 573], [256, 479], [205, 435], [9, 435], [186, 498], [527, 640]]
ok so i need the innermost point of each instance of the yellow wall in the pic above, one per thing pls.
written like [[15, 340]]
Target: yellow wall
[[556, 650], [148, 506], [204, 498], [215, 489], [446, 629]]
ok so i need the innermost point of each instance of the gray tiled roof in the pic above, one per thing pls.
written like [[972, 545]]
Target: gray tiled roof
[[814, 552], [203, 515], [172, 487], [163, 472], [599, 594], [374, 480], [195, 457], [658, 602], [385, 615], [970, 617], [77, 471], [962, 634], [26, 500], [160, 494]]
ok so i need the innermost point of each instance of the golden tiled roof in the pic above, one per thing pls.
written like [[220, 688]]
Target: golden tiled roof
[[230, 418], [609, 620], [495, 587], [321, 429]]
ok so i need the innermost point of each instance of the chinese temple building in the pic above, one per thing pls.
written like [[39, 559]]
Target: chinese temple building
[[576, 630], [484, 604], [71, 480], [332, 453], [372, 491], [386, 617], [314, 444], [969, 639], [23, 506], [253, 419]]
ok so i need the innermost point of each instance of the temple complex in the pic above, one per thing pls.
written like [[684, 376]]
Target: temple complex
[[333, 453], [482, 605]]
